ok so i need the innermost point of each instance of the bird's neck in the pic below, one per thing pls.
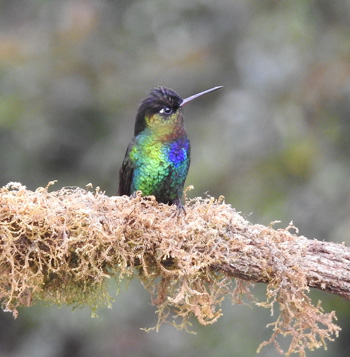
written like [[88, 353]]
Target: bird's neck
[[165, 134]]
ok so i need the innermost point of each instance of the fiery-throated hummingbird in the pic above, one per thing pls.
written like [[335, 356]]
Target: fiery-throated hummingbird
[[158, 157]]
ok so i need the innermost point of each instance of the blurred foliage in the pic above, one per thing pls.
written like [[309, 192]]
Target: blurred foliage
[[275, 141]]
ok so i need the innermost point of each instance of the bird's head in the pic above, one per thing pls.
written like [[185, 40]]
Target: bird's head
[[162, 109]]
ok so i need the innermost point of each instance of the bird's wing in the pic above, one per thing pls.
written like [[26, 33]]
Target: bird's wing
[[126, 172]]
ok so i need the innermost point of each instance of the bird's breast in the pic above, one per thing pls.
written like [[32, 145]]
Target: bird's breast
[[178, 151], [150, 149], [160, 168]]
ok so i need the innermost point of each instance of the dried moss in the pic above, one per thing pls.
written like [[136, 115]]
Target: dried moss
[[62, 247]]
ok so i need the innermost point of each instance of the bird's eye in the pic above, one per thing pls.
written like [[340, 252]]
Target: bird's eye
[[166, 110]]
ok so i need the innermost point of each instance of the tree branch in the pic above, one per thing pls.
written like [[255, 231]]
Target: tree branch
[[62, 247], [326, 264]]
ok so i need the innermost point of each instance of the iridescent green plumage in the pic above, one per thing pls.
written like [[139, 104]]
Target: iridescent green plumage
[[158, 158]]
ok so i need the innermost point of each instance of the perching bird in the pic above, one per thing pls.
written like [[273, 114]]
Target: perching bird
[[158, 157]]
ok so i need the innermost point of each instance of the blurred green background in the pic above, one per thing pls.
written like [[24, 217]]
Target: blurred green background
[[275, 141]]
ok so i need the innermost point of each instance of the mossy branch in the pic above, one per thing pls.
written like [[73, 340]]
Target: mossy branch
[[62, 246]]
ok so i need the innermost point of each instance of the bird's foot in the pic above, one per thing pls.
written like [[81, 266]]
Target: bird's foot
[[179, 208], [136, 194]]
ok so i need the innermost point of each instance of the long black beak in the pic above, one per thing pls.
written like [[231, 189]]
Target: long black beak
[[186, 100]]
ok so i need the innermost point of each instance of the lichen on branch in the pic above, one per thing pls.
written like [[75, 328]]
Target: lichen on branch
[[62, 247]]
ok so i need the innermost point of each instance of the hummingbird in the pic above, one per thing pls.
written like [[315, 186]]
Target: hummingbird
[[158, 157]]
